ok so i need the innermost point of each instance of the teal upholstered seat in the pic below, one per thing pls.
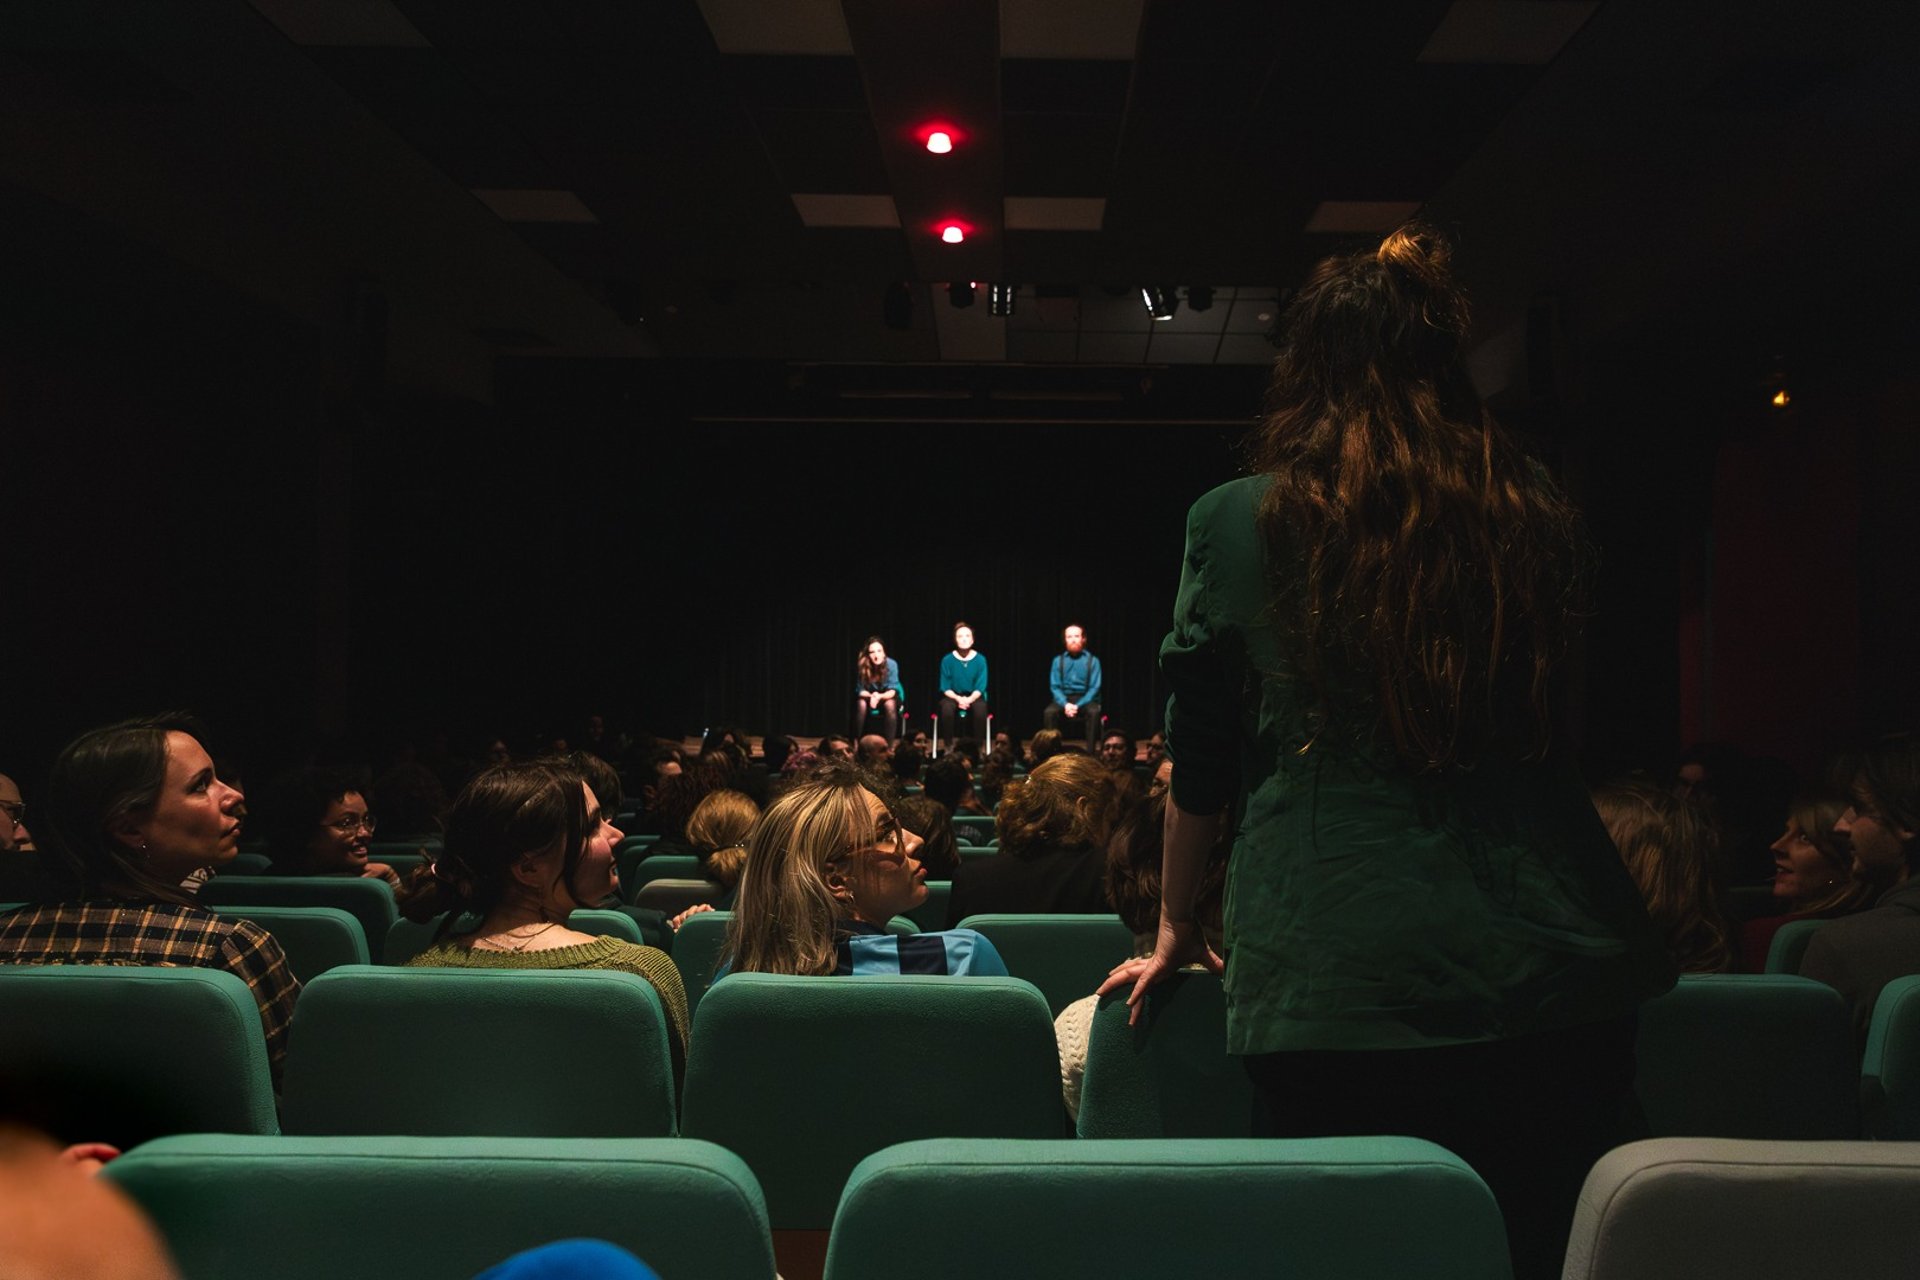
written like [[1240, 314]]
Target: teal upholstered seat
[[975, 827], [1890, 1076], [1789, 944], [1170, 1075], [696, 951], [119, 1054], [662, 866], [1327, 1208], [1066, 956], [1748, 1056], [519, 1053], [1720, 1209], [314, 938], [392, 1208], [672, 895], [803, 1077], [370, 902]]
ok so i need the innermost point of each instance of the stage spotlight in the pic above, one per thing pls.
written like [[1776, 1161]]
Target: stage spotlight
[[1000, 299], [898, 305], [960, 293], [1161, 300], [1199, 296]]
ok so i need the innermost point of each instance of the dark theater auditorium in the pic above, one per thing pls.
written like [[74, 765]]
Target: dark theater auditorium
[[1363, 534]]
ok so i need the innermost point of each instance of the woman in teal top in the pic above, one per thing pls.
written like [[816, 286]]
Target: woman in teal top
[[1427, 929], [963, 689]]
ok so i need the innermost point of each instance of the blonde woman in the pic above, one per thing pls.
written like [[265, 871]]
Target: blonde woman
[[826, 869]]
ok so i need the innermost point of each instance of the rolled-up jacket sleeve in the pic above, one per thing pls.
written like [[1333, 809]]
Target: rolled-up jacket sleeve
[[1203, 711]]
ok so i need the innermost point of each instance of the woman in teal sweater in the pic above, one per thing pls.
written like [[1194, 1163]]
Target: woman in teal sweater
[[963, 689], [1428, 931]]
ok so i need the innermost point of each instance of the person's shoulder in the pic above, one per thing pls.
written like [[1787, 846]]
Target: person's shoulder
[[1233, 497]]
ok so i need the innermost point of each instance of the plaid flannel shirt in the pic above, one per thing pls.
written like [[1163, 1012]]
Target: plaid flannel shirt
[[163, 934]]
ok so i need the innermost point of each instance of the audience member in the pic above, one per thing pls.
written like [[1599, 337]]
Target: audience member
[[14, 836], [995, 776], [932, 822], [316, 823], [58, 1222], [133, 810], [968, 750], [717, 833], [1861, 954], [1116, 750], [1813, 875], [1156, 750], [526, 845], [775, 750], [963, 685], [1053, 832], [906, 763], [949, 784], [835, 747], [827, 868], [1668, 846], [1044, 746], [873, 752]]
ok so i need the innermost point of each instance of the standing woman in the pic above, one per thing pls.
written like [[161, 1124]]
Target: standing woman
[[877, 692], [963, 688], [1429, 930]]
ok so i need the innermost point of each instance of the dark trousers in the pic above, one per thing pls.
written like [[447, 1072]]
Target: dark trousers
[[1085, 720], [956, 722], [1531, 1115], [885, 721]]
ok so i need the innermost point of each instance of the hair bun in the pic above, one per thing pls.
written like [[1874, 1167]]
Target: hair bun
[[1418, 250]]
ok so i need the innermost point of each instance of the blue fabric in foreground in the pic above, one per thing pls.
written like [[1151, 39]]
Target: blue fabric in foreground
[[571, 1260]]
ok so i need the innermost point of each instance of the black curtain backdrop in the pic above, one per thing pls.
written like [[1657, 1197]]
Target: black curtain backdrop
[[614, 554]]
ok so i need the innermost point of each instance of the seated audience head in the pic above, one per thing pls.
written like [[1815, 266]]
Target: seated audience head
[[1156, 749], [1046, 744], [1881, 822], [316, 822], [835, 747], [602, 777], [1116, 749], [1003, 741], [1813, 869], [662, 763], [995, 775], [1066, 803], [135, 808], [907, 761], [939, 849], [717, 831], [497, 751], [873, 751], [776, 748], [14, 836], [948, 782], [1133, 875], [968, 749], [1669, 847], [827, 852], [530, 835], [802, 761]]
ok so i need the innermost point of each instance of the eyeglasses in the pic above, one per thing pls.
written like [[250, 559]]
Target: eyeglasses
[[16, 809], [349, 825]]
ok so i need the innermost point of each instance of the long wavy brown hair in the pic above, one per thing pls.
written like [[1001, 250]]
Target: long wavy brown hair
[[1430, 572], [1670, 849]]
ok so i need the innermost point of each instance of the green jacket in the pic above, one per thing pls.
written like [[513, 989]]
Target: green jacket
[[1370, 907]]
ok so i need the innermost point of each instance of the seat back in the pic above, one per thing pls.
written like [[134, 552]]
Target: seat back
[[1890, 1076], [663, 866], [1066, 956], [672, 896], [977, 827], [509, 1053], [1331, 1208], [370, 902], [1169, 1075], [1790, 944], [803, 1077], [314, 938], [696, 951], [1748, 1056], [444, 1208], [1718, 1209], [121, 1054]]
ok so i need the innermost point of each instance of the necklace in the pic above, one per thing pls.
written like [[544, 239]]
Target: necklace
[[493, 945]]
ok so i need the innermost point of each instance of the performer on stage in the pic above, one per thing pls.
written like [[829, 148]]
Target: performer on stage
[[1075, 680], [963, 688], [877, 693]]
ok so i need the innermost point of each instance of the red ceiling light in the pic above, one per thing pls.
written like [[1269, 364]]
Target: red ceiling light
[[952, 232], [939, 137]]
